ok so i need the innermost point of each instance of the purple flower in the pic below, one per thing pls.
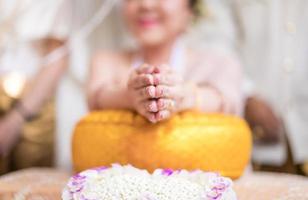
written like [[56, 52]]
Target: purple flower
[[167, 172], [100, 169], [213, 195], [219, 186]]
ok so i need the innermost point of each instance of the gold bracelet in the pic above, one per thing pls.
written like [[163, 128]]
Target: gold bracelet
[[196, 94], [198, 98], [221, 97]]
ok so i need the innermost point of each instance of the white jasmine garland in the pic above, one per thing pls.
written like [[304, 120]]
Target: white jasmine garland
[[129, 183]]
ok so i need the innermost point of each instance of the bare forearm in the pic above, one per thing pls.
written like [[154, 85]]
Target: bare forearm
[[42, 87], [205, 99], [110, 98]]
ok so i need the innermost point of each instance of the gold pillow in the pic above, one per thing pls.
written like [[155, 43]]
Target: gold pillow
[[189, 140]]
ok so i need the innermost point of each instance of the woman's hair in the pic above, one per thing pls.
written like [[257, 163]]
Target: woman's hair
[[197, 8]]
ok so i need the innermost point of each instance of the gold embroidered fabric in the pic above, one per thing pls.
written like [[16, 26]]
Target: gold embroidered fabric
[[190, 140]]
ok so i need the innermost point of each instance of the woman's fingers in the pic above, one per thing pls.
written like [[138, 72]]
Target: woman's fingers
[[156, 109], [163, 91], [141, 77], [166, 79], [140, 81], [165, 104], [162, 115], [161, 75], [145, 69], [146, 93], [156, 105], [149, 116], [150, 105], [157, 92], [144, 109]]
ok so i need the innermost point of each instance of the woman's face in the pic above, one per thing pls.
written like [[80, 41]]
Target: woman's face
[[156, 21]]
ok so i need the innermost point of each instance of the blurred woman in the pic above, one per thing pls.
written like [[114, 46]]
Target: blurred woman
[[162, 76]]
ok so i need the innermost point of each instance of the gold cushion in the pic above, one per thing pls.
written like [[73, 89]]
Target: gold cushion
[[189, 140]]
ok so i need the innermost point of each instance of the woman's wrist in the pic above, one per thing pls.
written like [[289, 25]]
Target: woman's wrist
[[220, 107], [214, 99], [193, 98], [190, 99]]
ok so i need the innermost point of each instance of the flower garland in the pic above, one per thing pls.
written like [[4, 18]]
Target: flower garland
[[129, 183]]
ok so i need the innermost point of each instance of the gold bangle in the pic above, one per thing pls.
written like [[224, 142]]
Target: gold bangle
[[198, 98], [196, 95], [221, 97], [215, 90]]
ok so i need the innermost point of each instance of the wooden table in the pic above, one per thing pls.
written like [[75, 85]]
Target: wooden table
[[271, 186], [33, 184]]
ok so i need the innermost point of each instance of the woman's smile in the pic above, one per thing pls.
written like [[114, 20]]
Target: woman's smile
[[146, 22]]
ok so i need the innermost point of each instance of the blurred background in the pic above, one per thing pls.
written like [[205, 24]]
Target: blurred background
[[45, 50]]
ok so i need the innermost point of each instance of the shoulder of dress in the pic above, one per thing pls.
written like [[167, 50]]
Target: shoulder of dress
[[212, 60]]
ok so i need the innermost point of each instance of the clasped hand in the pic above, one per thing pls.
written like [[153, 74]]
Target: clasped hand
[[155, 92]]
